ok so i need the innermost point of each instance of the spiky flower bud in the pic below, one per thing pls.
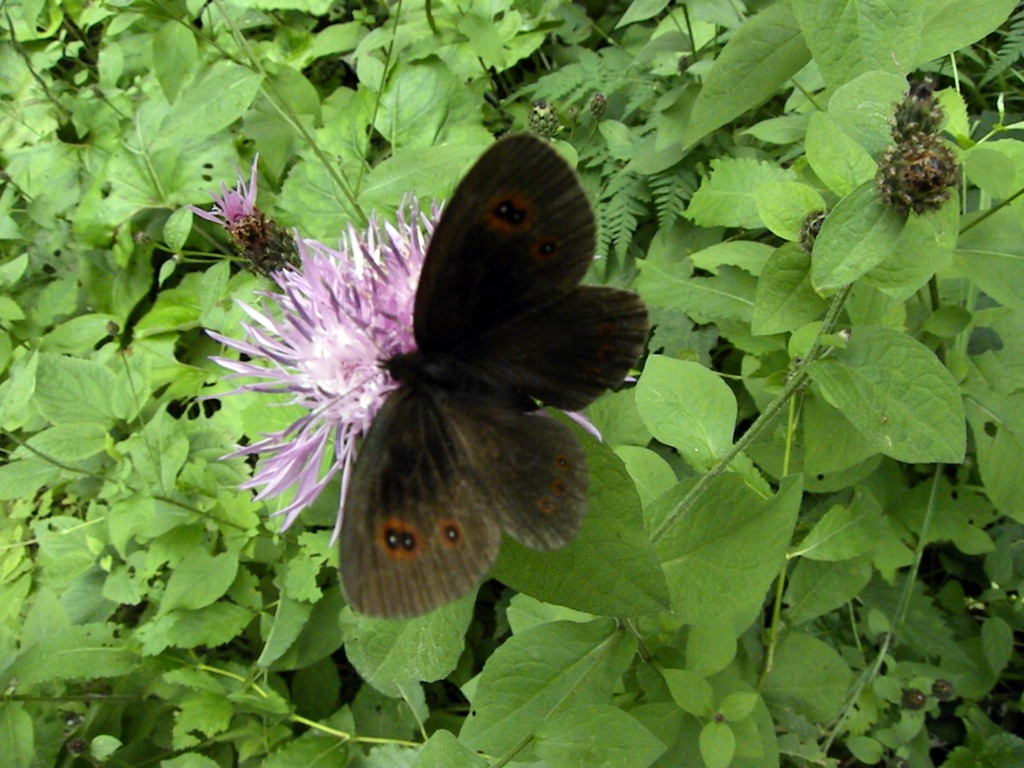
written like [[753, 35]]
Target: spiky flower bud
[[917, 175], [913, 698], [919, 112], [598, 104], [810, 228], [943, 690], [543, 120]]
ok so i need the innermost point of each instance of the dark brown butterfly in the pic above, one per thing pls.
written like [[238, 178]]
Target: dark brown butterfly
[[460, 451]]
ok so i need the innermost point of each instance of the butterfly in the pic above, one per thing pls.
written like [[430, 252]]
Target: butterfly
[[461, 450]]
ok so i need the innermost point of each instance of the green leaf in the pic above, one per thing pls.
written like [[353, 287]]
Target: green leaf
[[544, 669], [651, 474], [104, 746], [610, 568], [641, 10], [809, 677], [689, 407], [710, 648], [845, 532], [198, 580], [727, 295], [863, 110], [177, 229], [849, 37], [690, 691], [217, 97], [596, 735], [785, 299], [17, 737], [415, 104], [1001, 462], [174, 55], [71, 442], [837, 159], [729, 196], [392, 655], [784, 206], [997, 640], [70, 391], [953, 24], [443, 750], [817, 587], [717, 744], [898, 395], [738, 706], [991, 254], [858, 234], [721, 557], [760, 57], [86, 652]]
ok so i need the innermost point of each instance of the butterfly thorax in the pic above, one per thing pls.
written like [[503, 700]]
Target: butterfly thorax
[[448, 374]]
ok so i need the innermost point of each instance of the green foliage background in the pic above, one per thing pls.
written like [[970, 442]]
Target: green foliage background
[[804, 544]]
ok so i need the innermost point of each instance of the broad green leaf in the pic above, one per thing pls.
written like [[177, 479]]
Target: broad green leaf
[[73, 391], [785, 206], [729, 295], [610, 568], [831, 442], [651, 474], [898, 395], [925, 247], [991, 254], [534, 674], [845, 532], [443, 750], [1001, 463], [596, 735], [858, 234], [71, 442], [289, 619], [17, 737], [997, 640], [785, 299], [849, 37], [863, 109], [690, 691], [85, 652], [836, 158], [723, 554], [738, 706], [710, 647], [392, 654], [745, 254], [760, 57], [689, 407], [817, 587], [717, 744], [211, 626], [641, 10], [953, 24], [174, 54], [809, 677], [729, 196], [199, 580], [415, 104], [217, 97]]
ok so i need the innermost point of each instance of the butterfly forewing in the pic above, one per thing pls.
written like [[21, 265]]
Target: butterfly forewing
[[517, 233]]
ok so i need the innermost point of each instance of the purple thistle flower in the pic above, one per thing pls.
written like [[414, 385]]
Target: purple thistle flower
[[231, 206], [262, 244], [321, 340]]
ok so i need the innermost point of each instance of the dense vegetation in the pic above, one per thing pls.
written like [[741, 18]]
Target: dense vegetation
[[804, 537]]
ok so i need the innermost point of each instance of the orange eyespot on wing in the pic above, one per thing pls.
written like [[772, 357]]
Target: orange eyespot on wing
[[509, 213], [451, 533], [545, 249], [399, 540]]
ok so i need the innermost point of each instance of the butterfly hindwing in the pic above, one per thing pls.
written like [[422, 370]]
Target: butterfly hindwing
[[517, 233], [568, 353], [418, 529]]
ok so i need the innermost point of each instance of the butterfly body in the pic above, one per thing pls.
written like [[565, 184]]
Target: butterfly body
[[460, 452]]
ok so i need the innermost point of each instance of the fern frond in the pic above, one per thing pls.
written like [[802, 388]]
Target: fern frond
[[670, 190], [623, 203], [1012, 49]]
